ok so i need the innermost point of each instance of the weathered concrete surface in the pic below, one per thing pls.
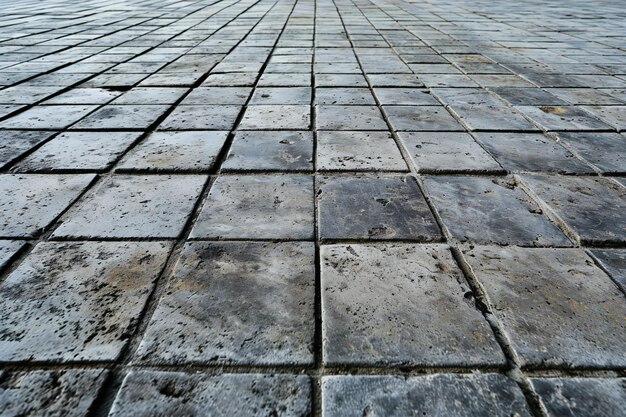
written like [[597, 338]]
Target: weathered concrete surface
[[149, 393], [232, 302], [432, 395], [400, 304]]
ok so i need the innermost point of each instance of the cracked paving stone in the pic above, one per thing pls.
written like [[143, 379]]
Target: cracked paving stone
[[400, 304], [350, 118], [8, 250], [127, 206], [531, 152], [201, 117], [258, 207], [582, 397], [29, 203], [491, 211], [80, 151], [270, 150], [405, 97], [218, 95], [236, 303], [374, 208], [47, 117], [592, 208], [607, 151], [15, 143], [557, 308], [281, 95], [69, 393], [358, 151], [275, 116], [421, 118], [563, 118], [160, 394], [614, 262], [122, 117], [77, 301], [194, 151], [439, 395], [447, 152]]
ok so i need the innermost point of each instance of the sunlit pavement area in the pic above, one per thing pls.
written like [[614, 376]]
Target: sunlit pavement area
[[327, 208]]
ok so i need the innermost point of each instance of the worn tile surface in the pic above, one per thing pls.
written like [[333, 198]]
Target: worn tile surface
[[260, 137]]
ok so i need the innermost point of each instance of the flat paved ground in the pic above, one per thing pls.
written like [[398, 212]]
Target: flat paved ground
[[331, 208]]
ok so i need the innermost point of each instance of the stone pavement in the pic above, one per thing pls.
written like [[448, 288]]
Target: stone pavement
[[327, 208]]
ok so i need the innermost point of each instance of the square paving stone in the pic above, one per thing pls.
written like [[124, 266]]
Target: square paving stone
[[491, 211], [527, 96], [235, 79], [236, 303], [85, 96], [607, 151], [264, 150], [285, 80], [614, 262], [80, 151], [276, 117], [374, 208], [358, 151], [582, 397], [563, 118], [400, 304], [126, 206], [592, 209], [531, 152], [8, 250], [29, 203], [69, 393], [175, 151], [77, 301], [153, 393], [557, 308], [394, 80], [613, 115], [150, 95], [447, 152], [47, 117], [122, 117], [405, 97], [344, 96], [349, 118], [201, 117], [281, 95], [431, 395], [258, 207], [15, 143], [421, 118], [340, 80], [218, 95]]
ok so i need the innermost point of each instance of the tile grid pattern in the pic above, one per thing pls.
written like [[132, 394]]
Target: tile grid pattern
[[195, 224]]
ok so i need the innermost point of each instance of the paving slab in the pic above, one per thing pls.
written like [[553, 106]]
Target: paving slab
[[358, 151], [590, 208], [447, 152], [344, 96], [578, 397], [218, 95], [15, 143], [491, 211], [270, 150], [432, 395], [421, 118], [556, 306], [194, 151], [201, 117], [147, 393], [563, 118], [417, 288], [257, 207], [281, 95], [47, 117], [29, 203], [68, 393], [276, 117], [118, 117], [78, 151], [606, 151], [8, 250], [126, 206], [614, 262], [236, 303], [330, 117], [77, 301], [374, 208]]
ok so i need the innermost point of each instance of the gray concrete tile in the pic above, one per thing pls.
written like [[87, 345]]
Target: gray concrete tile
[[15, 143], [614, 262], [122, 117], [218, 95], [358, 151], [421, 118], [201, 117], [606, 151], [77, 301], [276, 117], [281, 95], [47, 117], [419, 289], [349, 118]]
